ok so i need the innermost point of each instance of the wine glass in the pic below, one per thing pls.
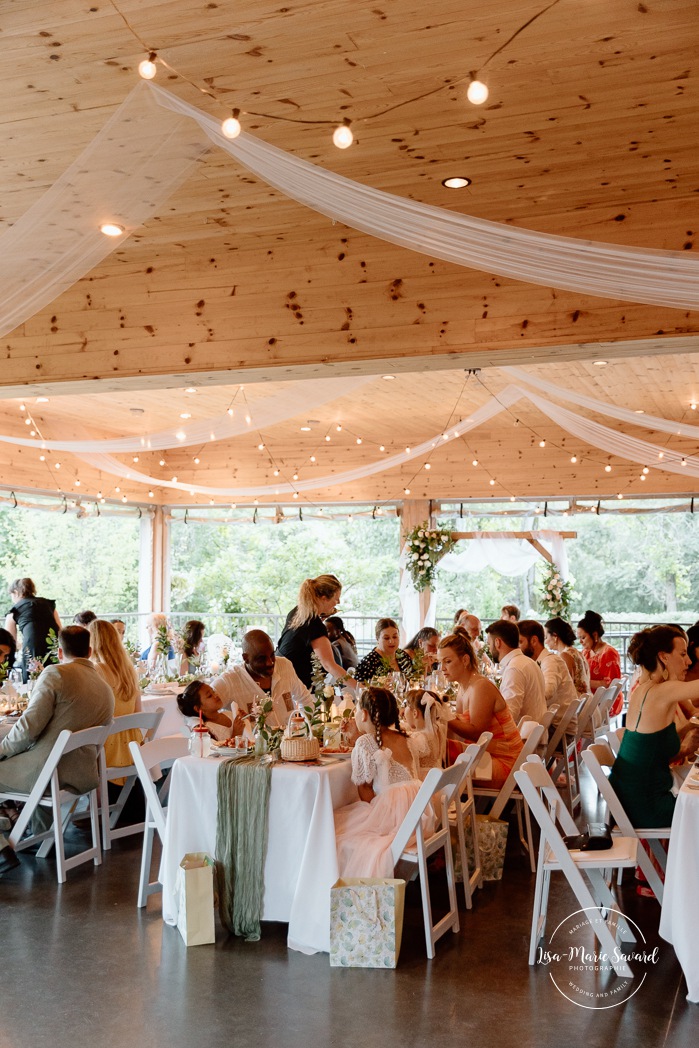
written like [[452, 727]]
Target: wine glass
[[398, 684], [437, 683]]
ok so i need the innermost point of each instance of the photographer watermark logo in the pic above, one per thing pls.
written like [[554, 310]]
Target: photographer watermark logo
[[584, 972]]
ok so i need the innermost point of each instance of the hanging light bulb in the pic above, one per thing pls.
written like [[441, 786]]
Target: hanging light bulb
[[477, 92], [406, 491], [231, 127], [492, 482], [542, 443], [646, 470], [162, 462], [342, 135], [475, 462], [428, 466], [147, 68], [573, 458], [150, 494], [607, 468]]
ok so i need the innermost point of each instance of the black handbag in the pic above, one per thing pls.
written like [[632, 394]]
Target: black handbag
[[596, 838]]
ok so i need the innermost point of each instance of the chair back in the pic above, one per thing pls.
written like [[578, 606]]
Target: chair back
[[597, 756], [530, 745], [556, 741], [586, 712], [160, 753], [546, 805], [471, 756], [447, 783], [148, 723], [613, 738]]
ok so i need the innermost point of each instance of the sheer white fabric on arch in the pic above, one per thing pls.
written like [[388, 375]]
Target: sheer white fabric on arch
[[150, 145], [506, 556]]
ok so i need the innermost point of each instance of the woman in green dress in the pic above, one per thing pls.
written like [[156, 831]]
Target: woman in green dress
[[641, 774]]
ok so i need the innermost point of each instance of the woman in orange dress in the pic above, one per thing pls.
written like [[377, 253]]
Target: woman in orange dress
[[479, 707]]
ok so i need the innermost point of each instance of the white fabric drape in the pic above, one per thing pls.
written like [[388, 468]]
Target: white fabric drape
[[151, 144], [295, 399]]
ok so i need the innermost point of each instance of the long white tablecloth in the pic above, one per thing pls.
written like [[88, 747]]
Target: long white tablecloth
[[173, 722], [301, 863], [679, 920]]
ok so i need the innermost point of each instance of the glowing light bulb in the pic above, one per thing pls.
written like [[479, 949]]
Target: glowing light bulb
[[406, 491], [382, 448], [230, 412], [342, 135], [327, 439], [196, 462], [150, 494], [260, 447], [359, 440], [22, 407], [607, 469], [77, 483], [646, 470], [620, 496], [162, 462], [428, 466], [573, 458], [185, 414], [475, 462], [123, 498], [296, 494], [231, 127], [42, 458], [295, 476], [58, 465], [147, 68], [181, 435], [135, 458], [477, 93], [542, 443], [111, 229], [313, 458], [276, 473]]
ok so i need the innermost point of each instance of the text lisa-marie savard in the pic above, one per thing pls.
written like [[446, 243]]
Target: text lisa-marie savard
[[585, 956]]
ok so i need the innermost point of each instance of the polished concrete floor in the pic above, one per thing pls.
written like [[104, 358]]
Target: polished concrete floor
[[82, 966]]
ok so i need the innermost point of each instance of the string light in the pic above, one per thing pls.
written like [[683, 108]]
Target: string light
[[276, 473], [22, 407], [296, 494], [150, 494], [196, 462], [231, 126], [162, 462], [77, 483], [147, 68], [339, 429], [607, 468], [573, 458], [123, 498], [542, 443], [428, 466], [230, 412], [693, 405], [42, 458], [684, 461], [327, 439], [382, 447], [111, 229], [492, 482], [642, 477], [620, 496], [477, 92], [475, 462], [313, 458], [135, 458], [248, 419], [260, 447], [185, 414], [646, 470], [359, 440], [295, 476], [181, 435], [406, 491], [661, 454], [58, 465], [190, 389], [407, 451], [342, 135]]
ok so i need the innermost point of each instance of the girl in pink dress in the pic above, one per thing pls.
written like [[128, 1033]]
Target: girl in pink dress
[[385, 771]]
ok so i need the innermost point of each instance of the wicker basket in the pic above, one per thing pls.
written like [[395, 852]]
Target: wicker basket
[[300, 749]]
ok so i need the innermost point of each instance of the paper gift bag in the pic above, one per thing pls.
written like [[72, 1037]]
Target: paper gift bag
[[366, 922], [492, 842], [195, 915]]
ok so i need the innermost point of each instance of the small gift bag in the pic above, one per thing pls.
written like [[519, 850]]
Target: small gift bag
[[492, 842], [195, 883], [366, 922]]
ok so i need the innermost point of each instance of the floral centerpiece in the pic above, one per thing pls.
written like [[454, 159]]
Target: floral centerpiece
[[267, 738], [424, 548], [162, 642], [557, 595]]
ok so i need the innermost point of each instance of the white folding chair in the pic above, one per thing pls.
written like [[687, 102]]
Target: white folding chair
[[597, 757], [509, 792], [569, 749], [613, 739], [583, 870], [563, 728], [160, 753], [601, 725], [465, 809], [148, 724], [48, 793], [444, 787]]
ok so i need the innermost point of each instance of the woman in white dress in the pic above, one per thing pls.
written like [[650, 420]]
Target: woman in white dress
[[385, 771]]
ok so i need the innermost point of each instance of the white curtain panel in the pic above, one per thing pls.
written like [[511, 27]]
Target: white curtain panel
[[149, 147]]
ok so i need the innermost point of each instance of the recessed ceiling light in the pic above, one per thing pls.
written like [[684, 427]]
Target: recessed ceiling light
[[305, 429], [600, 363], [42, 400], [388, 378], [185, 414], [111, 229], [190, 389], [456, 182], [639, 411]]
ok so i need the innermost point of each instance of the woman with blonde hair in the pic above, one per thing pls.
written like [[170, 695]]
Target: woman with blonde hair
[[479, 707], [114, 666], [305, 631]]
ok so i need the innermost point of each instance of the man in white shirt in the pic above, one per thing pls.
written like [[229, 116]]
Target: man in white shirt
[[522, 685], [260, 676], [558, 684]]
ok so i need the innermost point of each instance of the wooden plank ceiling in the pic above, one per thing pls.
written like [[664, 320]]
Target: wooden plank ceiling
[[589, 131]]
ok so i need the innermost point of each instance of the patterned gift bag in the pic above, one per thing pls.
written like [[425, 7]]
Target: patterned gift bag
[[366, 922], [492, 842]]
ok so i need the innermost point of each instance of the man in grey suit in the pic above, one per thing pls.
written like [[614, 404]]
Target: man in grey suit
[[71, 695]]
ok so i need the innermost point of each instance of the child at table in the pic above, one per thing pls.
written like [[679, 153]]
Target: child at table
[[423, 716], [384, 769], [200, 700]]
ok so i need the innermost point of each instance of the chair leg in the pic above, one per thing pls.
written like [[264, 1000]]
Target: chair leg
[[528, 842], [95, 828], [539, 910], [467, 877], [451, 883], [425, 894], [58, 838], [146, 857]]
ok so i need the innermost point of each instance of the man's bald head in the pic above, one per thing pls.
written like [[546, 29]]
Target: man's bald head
[[258, 653]]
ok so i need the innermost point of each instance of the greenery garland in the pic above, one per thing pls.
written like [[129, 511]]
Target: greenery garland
[[425, 547]]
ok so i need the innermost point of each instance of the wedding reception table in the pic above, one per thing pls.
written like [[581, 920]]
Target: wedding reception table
[[679, 920], [301, 862], [172, 722]]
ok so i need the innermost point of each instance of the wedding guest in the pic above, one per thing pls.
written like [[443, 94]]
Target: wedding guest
[[69, 695], [200, 699], [8, 651], [192, 645], [559, 637], [425, 640], [262, 675], [558, 684], [385, 771], [479, 707], [386, 657], [602, 659], [522, 684], [120, 626], [305, 632], [423, 718], [641, 775], [472, 625], [34, 617], [115, 667], [510, 613], [84, 618], [343, 643], [693, 652], [459, 613], [155, 621]]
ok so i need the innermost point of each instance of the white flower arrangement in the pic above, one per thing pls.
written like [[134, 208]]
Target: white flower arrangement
[[557, 595], [425, 547]]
